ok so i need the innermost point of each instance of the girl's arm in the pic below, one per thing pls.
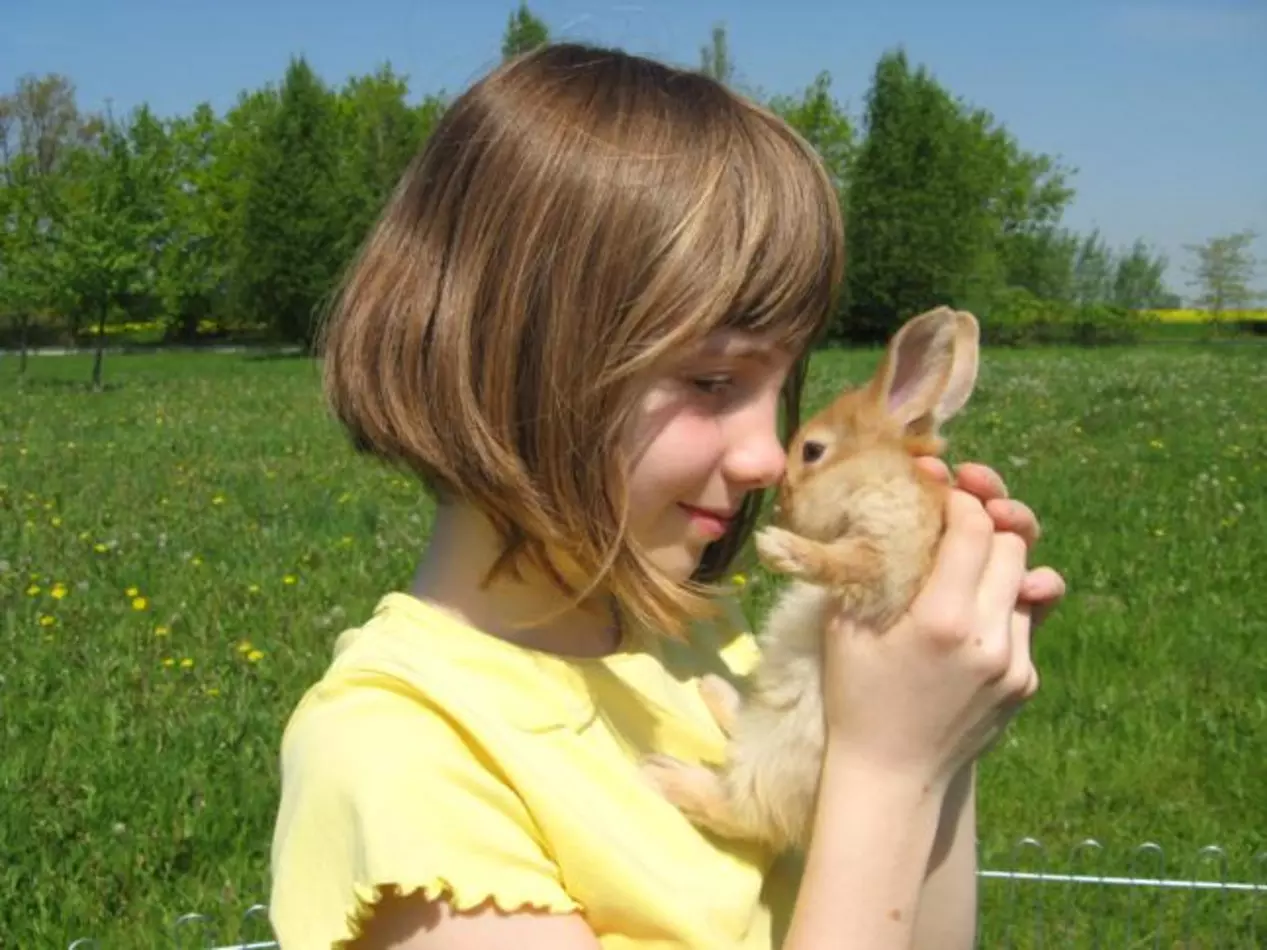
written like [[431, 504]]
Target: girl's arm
[[865, 867], [947, 918]]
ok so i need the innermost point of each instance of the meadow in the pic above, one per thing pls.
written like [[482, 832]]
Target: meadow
[[179, 551]]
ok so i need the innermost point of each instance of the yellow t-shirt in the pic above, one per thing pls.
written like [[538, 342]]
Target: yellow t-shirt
[[433, 756]]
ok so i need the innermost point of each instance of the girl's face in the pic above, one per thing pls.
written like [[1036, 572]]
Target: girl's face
[[704, 434]]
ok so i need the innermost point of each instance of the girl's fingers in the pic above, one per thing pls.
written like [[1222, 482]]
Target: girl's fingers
[[980, 480], [1015, 516], [1042, 586], [1024, 676], [997, 594], [964, 550], [934, 467]]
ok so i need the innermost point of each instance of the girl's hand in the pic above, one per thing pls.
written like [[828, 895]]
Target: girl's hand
[[926, 697], [1042, 587]]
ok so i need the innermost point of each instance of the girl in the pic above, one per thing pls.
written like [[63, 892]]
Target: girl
[[582, 321]]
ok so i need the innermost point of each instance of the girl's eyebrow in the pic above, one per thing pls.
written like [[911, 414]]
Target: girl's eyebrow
[[740, 347]]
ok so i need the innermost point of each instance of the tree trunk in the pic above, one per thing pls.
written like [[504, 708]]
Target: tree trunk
[[24, 321], [101, 345]]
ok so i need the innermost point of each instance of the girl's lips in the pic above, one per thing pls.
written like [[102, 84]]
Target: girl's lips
[[709, 522]]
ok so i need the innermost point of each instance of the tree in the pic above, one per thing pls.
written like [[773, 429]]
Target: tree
[[823, 123], [943, 205], [1138, 279], [25, 247], [379, 133], [1222, 273], [524, 32], [918, 201], [42, 121], [292, 222], [1092, 270], [715, 57], [107, 236]]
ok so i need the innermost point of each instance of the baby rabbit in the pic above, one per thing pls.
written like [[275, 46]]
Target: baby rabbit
[[859, 524]]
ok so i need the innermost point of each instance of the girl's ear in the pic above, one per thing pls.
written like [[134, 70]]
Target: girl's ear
[[928, 371]]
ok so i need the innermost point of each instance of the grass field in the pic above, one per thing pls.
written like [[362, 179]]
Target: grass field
[[178, 552]]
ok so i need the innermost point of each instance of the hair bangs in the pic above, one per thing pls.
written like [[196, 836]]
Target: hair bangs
[[789, 233]]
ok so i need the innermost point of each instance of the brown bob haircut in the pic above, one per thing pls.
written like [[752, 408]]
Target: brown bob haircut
[[578, 217]]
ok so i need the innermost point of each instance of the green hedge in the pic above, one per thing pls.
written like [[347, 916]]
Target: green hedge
[[1015, 317]]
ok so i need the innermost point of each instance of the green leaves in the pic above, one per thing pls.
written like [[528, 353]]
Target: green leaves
[[291, 225], [244, 221], [524, 31]]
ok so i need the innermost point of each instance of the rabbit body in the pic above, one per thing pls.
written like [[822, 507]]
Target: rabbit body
[[857, 527]]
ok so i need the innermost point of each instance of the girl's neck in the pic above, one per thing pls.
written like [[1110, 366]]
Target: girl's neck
[[462, 548]]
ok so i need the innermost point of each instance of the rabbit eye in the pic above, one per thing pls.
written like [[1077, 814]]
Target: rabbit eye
[[812, 451]]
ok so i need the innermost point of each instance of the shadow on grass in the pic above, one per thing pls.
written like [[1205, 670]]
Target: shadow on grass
[[271, 356], [62, 385]]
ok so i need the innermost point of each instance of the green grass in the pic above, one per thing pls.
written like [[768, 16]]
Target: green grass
[[136, 786]]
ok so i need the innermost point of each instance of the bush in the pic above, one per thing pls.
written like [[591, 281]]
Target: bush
[[1100, 324], [1012, 316]]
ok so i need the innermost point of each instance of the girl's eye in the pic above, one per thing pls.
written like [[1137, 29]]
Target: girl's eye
[[712, 385]]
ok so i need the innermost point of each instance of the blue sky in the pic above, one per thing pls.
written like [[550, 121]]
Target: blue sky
[[1158, 104]]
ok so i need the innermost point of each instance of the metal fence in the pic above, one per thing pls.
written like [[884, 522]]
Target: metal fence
[[1085, 900]]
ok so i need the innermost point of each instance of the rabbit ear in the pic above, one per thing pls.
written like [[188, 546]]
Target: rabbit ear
[[929, 370]]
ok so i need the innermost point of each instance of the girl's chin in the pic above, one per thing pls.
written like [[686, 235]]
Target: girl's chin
[[681, 560]]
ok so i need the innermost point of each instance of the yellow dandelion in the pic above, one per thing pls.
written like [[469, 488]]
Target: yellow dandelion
[[289, 579], [245, 646], [132, 592], [140, 603], [58, 591], [161, 630], [186, 663], [255, 656], [32, 590], [739, 580], [100, 548], [55, 521], [47, 621], [218, 500], [168, 662]]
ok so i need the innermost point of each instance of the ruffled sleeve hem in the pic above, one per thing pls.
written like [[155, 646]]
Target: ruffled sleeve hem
[[507, 900]]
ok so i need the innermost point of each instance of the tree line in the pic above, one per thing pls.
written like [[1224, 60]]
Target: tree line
[[244, 221]]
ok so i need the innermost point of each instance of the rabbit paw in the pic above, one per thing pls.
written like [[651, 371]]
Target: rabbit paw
[[698, 793], [671, 777], [722, 700], [780, 550]]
